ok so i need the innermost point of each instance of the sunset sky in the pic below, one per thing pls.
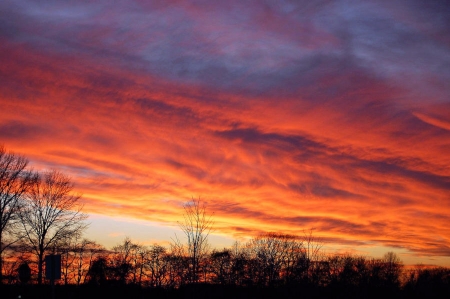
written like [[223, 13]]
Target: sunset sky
[[280, 115]]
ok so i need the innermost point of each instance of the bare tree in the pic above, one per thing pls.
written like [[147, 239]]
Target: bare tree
[[66, 248], [274, 257], [393, 268], [196, 226], [15, 179], [178, 263], [140, 257], [86, 251], [76, 257], [128, 262], [312, 252], [221, 266], [158, 265], [51, 213]]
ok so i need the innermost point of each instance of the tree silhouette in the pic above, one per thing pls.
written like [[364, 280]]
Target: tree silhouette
[[51, 214], [158, 263], [84, 252], [99, 271], [221, 266], [275, 256], [126, 261], [196, 226], [15, 180], [392, 269]]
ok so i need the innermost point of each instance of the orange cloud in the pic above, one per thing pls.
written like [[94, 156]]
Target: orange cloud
[[328, 144]]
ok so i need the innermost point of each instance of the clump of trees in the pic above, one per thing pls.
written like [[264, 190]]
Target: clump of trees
[[269, 260], [424, 282]]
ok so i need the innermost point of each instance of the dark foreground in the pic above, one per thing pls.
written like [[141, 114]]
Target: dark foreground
[[202, 291]]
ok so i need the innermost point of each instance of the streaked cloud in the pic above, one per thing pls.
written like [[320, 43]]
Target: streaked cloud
[[283, 115]]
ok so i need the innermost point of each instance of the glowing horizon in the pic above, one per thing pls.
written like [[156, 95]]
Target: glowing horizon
[[280, 116]]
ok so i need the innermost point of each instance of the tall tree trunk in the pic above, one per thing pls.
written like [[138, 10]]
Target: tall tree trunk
[[40, 265], [1, 260]]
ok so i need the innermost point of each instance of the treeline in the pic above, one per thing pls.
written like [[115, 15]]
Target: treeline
[[271, 262], [40, 215]]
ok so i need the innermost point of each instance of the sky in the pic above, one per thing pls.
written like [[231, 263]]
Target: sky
[[281, 116]]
